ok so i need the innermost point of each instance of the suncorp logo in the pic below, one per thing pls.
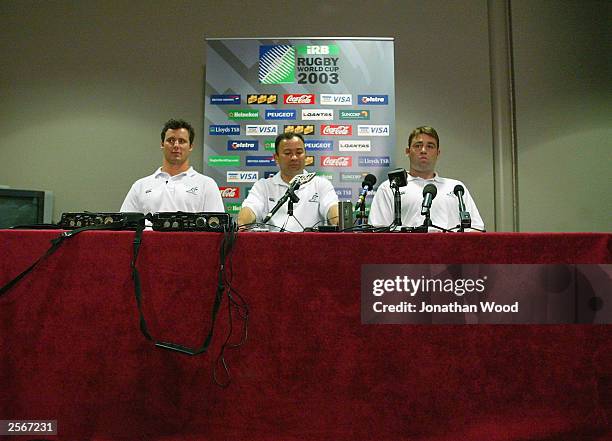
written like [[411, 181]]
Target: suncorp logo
[[281, 114], [318, 144], [242, 176], [373, 99], [223, 129], [374, 161], [261, 130], [334, 99], [242, 145], [373, 130]]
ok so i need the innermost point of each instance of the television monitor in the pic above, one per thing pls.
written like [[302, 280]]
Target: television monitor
[[25, 207]]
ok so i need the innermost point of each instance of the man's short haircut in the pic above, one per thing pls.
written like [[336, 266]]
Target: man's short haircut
[[287, 136], [427, 130], [175, 124]]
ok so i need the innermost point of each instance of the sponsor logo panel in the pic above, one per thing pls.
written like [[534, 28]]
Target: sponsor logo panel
[[269, 144], [336, 161], [277, 114], [354, 146], [352, 176], [223, 160], [317, 114], [373, 130], [336, 130], [260, 161], [309, 161], [262, 99], [331, 49], [261, 130], [335, 99], [225, 99], [242, 176], [374, 161], [277, 64], [354, 114], [242, 114], [223, 129], [373, 99], [344, 193], [302, 129], [326, 175], [232, 207], [318, 144], [230, 192], [234, 145], [300, 98]]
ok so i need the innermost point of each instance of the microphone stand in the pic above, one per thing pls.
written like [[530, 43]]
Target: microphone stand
[[397, 204], [293, 198]]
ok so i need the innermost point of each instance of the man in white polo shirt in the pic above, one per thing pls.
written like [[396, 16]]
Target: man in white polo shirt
[[175, 186], [423, 151], [318, 200]]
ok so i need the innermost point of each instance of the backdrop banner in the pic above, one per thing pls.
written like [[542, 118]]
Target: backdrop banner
[[338, 93]]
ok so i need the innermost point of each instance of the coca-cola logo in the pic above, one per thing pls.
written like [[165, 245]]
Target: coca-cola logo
[[336, 130], [304, 98], [230, 192], [336, 161]]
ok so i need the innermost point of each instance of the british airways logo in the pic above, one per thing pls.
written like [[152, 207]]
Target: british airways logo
[[225, 99], [260, 161]]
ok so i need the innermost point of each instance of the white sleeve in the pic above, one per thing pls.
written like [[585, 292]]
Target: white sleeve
[[381, 211], [328, 197], [470, 206], [131, 203], [213, 202], [256, 200]]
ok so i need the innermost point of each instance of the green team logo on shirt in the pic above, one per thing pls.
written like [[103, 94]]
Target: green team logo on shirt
[[224, 161]]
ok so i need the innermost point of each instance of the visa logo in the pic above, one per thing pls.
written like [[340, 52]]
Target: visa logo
[[258, 130], [242, 176]]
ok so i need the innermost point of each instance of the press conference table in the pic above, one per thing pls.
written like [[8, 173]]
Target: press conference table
[[71, 348]]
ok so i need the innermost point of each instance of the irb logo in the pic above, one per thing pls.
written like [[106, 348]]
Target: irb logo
[[317, 50]]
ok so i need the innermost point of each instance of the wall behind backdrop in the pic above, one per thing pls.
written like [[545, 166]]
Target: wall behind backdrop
[[86, 86]]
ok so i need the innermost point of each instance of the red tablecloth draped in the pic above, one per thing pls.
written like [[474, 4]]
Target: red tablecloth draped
[[71, 348]]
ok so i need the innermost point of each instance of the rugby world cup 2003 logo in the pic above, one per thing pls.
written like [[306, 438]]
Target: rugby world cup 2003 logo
[[277, 64]]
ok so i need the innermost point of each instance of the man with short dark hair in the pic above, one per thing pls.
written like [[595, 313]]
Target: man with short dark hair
[[175, 186], [423, 151], [318, 199]]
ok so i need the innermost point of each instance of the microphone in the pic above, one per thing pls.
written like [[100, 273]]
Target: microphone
[[429, 193], [366, 185], [464, 216], [294, 184]]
